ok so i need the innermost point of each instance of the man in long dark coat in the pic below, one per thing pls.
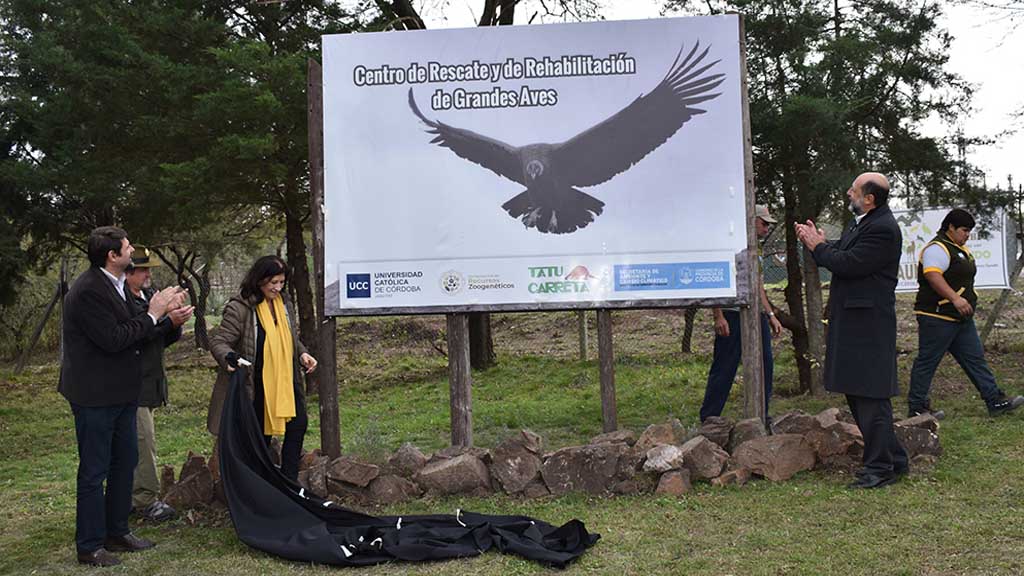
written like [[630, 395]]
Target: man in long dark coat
[[860, 359]]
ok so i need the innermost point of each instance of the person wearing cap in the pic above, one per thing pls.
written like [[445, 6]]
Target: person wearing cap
[[728, 345], [153, 394], [945, 319]]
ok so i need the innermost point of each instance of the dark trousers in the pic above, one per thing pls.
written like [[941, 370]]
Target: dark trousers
[[883, 453], [726, 360], [107, 451], [934, 338], [294, 430]]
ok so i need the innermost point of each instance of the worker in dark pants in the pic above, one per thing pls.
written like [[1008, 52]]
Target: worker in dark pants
[[728, 344], [944, 308]]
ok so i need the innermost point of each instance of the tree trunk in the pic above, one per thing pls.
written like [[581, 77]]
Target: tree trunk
[[481, 345], [300, 282], [688, 317], [796, 321], [815, 326], [200, 301]]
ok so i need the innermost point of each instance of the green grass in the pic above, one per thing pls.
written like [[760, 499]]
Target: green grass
[[962, 517]]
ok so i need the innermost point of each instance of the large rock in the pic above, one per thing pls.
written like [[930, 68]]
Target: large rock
[[515, 463], [703, 458], [795, 422], [195, 489], [717, 429], [407, 460], [193, 463], [828, 417], [926, 421], [739, 477], [837, 439], [663, 458], [593, 469], [314, 478], [674, 483], [455, 451], [462, 474], [351, 471], [918, 441], [671, 432], [166, 478], [536, 490], [776, 457], [746, 430], [310, 459], [617, 437], [391, 489]]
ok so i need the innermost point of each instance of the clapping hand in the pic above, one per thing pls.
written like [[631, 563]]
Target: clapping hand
[[809, 234], [166, 300], [180, 315]]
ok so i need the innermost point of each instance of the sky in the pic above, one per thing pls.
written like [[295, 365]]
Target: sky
[[984, 52]]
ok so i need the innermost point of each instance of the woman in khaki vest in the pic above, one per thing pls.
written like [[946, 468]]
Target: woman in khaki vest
[[257, 326]]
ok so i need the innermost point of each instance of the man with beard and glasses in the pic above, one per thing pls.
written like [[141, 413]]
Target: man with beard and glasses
[[860, 358]]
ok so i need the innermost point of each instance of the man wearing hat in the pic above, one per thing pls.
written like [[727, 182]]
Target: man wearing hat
[[146, 485], [728, 345]]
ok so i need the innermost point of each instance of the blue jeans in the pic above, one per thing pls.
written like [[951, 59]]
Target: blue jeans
[[726, 360], [936, 336], [107, 451]]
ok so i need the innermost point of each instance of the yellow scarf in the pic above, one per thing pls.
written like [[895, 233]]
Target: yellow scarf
[[278, 394]]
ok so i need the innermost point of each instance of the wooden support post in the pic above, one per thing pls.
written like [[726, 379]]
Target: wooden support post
[[460, 380], [606, 359], [581, 328], [750, 317], [330, 421]]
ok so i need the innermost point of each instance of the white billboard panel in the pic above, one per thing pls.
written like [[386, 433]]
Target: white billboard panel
[[920, 227], [523, 167]]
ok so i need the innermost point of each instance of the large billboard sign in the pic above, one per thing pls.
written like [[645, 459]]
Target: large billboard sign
[[567, 165], [987, 244]]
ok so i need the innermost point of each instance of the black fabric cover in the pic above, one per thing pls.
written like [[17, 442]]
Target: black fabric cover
[[273, 514]]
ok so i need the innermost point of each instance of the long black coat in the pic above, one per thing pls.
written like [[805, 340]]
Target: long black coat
[[102, 338], [861, 356], [154, 380]]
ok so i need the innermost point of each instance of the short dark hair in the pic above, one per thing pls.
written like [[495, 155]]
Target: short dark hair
[[880, 192], [262, 269], [101, 241], [959, 218]]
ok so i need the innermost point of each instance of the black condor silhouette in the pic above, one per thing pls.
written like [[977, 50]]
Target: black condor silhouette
[[550, 172]]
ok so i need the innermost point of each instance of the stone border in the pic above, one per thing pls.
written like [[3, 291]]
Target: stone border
[[664, 459]]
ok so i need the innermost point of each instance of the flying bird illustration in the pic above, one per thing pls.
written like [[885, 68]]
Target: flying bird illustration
[[551, 173]]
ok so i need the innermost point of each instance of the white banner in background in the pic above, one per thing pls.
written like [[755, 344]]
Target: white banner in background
[[533, 166], [920, 227]]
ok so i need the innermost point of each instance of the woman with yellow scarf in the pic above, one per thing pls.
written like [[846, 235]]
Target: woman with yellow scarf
[[256, 326]]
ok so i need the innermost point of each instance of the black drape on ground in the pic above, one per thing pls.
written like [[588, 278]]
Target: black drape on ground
[[273, 514]]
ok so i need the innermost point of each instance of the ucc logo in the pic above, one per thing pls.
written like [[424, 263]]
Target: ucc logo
[[357, 285]]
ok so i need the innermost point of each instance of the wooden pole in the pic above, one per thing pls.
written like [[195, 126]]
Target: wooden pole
[[581, 328], [460, 380], [330, 421], [750, 317], [606, 360]]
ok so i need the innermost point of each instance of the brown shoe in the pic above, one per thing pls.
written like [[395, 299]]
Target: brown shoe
[[98, 557], [127, 543]]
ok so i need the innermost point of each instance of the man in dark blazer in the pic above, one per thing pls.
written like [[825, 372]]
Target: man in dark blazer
[[100, 377], [860, 358]]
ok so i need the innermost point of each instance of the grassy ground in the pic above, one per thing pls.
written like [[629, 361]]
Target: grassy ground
[[962, 517]]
